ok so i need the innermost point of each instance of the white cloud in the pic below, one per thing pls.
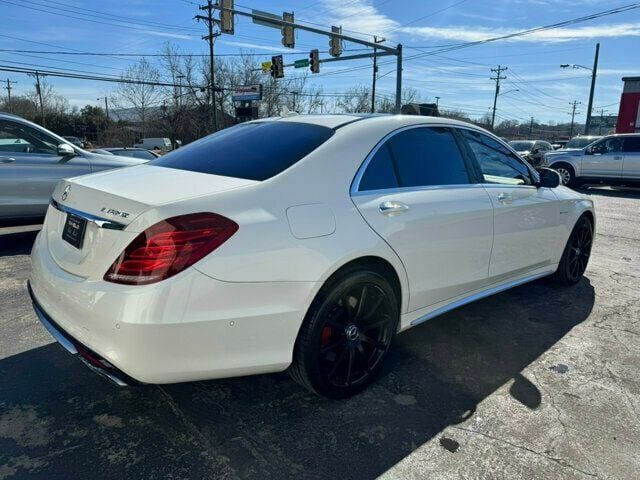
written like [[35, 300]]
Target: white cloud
[[358, 16], [256, 46], [474, 34], [167, 34]]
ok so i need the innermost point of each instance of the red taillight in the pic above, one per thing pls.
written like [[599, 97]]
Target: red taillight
[[169, 247]]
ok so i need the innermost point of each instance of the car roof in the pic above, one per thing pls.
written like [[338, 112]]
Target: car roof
[[336, 121]]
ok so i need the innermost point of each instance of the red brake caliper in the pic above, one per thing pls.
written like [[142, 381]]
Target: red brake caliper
[[327, 333]]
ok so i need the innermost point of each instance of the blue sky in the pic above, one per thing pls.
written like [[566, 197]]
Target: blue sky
[[460, 78]]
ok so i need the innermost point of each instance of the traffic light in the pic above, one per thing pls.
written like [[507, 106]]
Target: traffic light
[[277, 67], [288, 39], [335, 43], [314, 61], [226, 17]]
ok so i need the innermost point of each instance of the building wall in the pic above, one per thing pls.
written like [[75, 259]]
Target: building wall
[[629, 113]]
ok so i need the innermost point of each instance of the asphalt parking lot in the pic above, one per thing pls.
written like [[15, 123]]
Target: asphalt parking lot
[[537, 382]]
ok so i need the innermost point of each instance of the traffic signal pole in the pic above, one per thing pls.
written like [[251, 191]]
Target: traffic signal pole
[[383, 50]]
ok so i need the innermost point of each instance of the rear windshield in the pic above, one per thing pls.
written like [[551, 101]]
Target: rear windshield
[[255, 151]]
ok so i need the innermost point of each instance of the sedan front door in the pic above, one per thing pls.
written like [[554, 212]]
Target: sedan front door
[[603, 159], [30, 168], [526, 218], [415, 192]]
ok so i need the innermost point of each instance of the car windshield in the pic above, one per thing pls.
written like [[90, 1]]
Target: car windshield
[[255, 151], [521, 146], [580, 142]]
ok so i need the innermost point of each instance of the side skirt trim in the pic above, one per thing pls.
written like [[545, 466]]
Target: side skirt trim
[[477, 296]]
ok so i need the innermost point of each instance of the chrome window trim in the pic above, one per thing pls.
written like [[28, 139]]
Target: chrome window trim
[[99, 221], [355, 184], [390, 191]]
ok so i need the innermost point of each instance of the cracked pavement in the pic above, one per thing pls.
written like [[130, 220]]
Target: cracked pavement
[[537, 382]]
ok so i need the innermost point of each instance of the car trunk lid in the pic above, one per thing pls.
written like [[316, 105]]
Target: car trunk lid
[[99, 208]]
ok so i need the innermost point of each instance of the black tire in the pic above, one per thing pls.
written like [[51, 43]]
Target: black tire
[[577, 251], [346, 334], [567, 174]]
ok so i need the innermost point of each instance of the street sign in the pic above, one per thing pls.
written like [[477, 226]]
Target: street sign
[[265, 23], [266, 66], [301, 63], [247, 93]]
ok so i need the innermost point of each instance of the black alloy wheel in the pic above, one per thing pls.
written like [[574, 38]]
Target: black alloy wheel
[[344, 341], [576, 253]]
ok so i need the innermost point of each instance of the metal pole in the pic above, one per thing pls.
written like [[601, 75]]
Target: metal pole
[[601, 119], [106, 107], [573, 116], [40, 96], [375, 74], [594, 72], [531, 128], [497, 78], [211, 66], [399, 79]]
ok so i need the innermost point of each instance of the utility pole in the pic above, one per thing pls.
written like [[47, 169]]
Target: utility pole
[[106, 105], [531, 128], [594, 72], [574, 104], [601, 120], [9, 88], [375, 73], [295, 98], [39, 92], [437, 102], [210, 21], [497, 78]]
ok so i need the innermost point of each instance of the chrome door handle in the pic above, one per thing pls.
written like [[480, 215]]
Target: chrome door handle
[[505, 198], [7, 159], [392, 208]]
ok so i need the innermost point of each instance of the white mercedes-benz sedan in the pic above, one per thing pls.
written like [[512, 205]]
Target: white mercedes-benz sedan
[[302, 243]]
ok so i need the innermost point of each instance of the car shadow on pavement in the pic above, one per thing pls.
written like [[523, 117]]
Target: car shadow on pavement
[[59, 420], [19, 243], [621, 192]]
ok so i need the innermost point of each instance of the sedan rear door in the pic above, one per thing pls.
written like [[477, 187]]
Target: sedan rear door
[[631, 151], [415, 191], [30, 168]]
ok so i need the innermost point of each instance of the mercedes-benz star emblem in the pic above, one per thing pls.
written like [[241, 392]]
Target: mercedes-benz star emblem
[[352, 332], [66, 192]]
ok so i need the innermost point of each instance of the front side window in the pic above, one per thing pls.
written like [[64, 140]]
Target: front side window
[[609, 145], [254, 151], [497, 163], [18, 138], [417, 157]]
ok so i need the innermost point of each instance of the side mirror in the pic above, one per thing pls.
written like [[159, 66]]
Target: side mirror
[[65, 150], [549, 178]]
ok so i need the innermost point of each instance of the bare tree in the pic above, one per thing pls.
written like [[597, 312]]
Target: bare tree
[[356, 100], [141, 97]]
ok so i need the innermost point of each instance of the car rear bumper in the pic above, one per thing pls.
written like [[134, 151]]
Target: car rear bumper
[[74, 347], [188, 327]]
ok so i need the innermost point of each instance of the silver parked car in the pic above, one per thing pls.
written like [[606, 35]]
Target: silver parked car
[[532, 150], [613, 159], [33, 160]]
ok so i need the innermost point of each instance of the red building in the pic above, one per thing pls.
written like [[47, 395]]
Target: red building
[[629, 114]]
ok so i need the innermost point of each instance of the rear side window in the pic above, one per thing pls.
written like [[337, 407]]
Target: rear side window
[[426, 156], [255, 151], [380, 172], [631, 144]]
